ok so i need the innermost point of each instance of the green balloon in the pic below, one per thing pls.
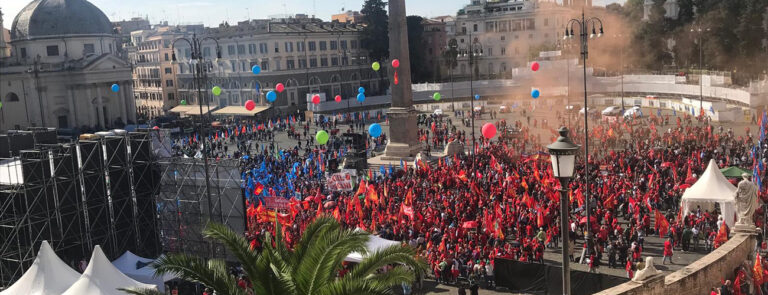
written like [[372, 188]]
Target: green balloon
[[216, 90], [183, 102], [376, 66], [321, 137], [436, 96]]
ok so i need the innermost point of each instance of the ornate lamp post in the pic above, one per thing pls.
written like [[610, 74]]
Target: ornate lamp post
[[199, 73], [583, 25], [474, 51], [563, 155]]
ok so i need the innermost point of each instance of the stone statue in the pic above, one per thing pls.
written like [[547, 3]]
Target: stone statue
[[746, 201], [647, 272]]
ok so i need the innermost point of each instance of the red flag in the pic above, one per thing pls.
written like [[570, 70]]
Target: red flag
[[371, 194], [441, 248], [757, 272], [539, 217], [722, 236], [258, 189], [662, 225], [336, 214], [407, 210]]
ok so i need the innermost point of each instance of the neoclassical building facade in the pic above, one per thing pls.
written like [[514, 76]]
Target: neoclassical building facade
[[65, 57]]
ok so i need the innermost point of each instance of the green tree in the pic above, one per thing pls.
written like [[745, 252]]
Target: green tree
[[375, 35], [419, 71], [309, 268]]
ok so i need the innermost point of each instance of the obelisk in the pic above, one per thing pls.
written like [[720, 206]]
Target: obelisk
[[404, 140]]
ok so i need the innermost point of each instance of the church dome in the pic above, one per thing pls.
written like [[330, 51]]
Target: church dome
[[57, 18]]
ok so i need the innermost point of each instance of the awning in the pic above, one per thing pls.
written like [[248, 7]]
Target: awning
[[240, 111], [190, 110]]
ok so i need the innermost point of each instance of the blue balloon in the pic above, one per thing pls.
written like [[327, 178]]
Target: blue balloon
[[374, 130], [535, 93], [477, 96], [256, 69], [115, 88], [360, 97], [361, 90], [271, 96]]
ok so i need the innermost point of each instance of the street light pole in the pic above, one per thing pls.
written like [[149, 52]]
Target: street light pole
[[699, 31], [198, 77], [475, 50], [563, 156], [583, 25]]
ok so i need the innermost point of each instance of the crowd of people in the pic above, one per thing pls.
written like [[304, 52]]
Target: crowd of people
[[500, 200]]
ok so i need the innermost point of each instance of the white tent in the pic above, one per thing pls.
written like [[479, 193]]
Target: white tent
[[139, 268], [712, 187], [374, 243], [102, 278], [48, 275]]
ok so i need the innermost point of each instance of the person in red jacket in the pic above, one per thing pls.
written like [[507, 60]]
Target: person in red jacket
[[667, 251]]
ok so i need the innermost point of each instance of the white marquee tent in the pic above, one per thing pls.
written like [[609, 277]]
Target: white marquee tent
[[374, 244], [712, 187], [48, 275], [139, 269], [103, 278]]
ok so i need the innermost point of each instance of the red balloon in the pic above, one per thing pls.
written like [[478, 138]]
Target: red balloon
[[316, 99], [535, 66], [156, 128], [280, 87], [338, 98], [250, 105], [489, 130], [395, 63]]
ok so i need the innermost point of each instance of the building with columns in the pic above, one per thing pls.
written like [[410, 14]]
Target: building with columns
[[64, 59], [5, 35]]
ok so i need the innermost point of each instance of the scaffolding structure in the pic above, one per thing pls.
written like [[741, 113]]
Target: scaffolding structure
[[76, 196], [183, 206]]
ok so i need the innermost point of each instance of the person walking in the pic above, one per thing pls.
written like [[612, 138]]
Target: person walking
[[667, 251]]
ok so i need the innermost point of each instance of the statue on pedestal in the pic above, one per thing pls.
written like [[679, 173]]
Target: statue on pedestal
[[746, 202]]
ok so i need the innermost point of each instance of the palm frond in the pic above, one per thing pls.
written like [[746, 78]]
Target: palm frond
[[392, 277], [198, 270], [239, 247], [312, 231], [391, 255], [324, 257], [350, 287]]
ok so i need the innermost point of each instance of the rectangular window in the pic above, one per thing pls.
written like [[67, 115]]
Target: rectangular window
[[503, 51], [52, 50], [324, 62], [277, 47], [489, 52], [353, 44], [231, 50], [263, 48], [233, 65], [323, 46], [23, 52], [241, 49], [300, 46], [313, 63], [334, 61], [251, 48], [343, 44], [168, 83], [171, 96], [288, 46], [344, 61], [302, 63], [89, 49], [168, 71], [312, 46], [265, 65], [334, 45], [166, 57], [290, 64]]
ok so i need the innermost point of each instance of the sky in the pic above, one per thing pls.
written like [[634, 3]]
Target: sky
[[214, 12]]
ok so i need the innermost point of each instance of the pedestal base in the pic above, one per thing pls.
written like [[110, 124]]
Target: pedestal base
[[404, 142], [741, 228]]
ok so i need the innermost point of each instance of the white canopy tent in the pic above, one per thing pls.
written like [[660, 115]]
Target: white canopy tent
[[48, 275], [140, 269], [103, 278], [712, 187], [374, 243]]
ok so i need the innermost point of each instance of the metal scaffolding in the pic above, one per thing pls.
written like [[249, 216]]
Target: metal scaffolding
[[76, 196], [182, 204]]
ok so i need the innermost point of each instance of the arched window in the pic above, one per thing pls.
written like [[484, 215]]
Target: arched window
[[11, 97], [335, 86], [314, 84]]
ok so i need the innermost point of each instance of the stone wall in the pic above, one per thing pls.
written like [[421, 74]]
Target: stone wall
[[698, 277]]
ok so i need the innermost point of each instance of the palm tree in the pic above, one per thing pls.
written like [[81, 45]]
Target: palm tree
[[309, 268]]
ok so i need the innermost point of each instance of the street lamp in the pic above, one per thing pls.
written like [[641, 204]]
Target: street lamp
[[583, 25], [563, 155], [699, 31], [451, 54], [474, 50], [199, 74]]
